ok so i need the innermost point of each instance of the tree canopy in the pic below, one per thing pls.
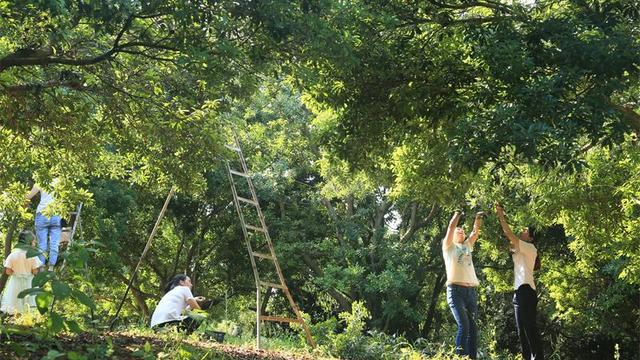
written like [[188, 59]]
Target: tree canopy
[[365, 125]]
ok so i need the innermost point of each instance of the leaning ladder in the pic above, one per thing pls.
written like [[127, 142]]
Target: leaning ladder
[[271, 256], [76, 225]]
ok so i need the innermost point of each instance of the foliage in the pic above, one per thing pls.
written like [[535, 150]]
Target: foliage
[[364, 125]]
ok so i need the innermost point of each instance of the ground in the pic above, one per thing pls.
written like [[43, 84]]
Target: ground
[[21, 344]]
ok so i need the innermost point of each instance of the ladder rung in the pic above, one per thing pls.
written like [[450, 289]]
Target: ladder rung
[[255, 228], [272, 285], [277, 319], [231, 147], [248, 201], [239, 173], [262, 256]]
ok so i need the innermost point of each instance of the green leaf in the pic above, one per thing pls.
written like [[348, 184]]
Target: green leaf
[[84, 299], [33, 252], [43, 301], [60, 289], [41, 278], [72, 355], [32, 291], [73, 326], [55, 322], [52, 354]]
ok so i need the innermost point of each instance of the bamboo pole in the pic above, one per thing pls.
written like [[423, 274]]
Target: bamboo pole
[[144, 252]]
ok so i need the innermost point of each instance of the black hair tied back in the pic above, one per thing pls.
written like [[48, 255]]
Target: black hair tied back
[[174, 282]]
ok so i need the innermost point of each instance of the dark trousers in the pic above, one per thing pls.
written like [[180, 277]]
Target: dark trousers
[[463, 302], [188, 324], [525, 301]]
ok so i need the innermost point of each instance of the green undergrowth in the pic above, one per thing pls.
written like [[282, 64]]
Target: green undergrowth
[[142, 343], [346, 337]]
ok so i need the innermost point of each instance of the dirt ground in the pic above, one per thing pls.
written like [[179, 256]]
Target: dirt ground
[[115, 345]]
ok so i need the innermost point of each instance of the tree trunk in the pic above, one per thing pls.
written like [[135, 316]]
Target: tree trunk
[[138, 296], [441, 279], [177, 258], [344, 303], [193, 256], [7, 249]]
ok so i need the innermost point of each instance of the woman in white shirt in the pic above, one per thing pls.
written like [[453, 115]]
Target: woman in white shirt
[[462, 282], [20, 269], [525, 299], [177, 299]]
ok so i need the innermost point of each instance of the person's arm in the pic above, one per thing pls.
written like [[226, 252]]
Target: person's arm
[[193, 304], [448, 239], [514, 242], [473, 237], [34, 191], [35, 265], [8, 264]]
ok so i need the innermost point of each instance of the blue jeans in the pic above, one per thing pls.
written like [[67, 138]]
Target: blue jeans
[[463, 302], [48, 231]]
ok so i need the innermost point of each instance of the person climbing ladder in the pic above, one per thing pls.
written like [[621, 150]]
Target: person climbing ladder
[[48, 229]]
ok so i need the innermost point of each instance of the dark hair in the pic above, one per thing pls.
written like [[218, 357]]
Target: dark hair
[[174, 282], [533, 232], [25, 237]]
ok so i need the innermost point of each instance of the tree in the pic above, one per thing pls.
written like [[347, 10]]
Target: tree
[[548, 80]]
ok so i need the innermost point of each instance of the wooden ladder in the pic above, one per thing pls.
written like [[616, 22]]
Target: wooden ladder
[[76, 225], [261, 230]]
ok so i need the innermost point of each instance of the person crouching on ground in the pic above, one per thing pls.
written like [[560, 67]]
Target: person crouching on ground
[[177, 299], [462, 282], [21, 270]]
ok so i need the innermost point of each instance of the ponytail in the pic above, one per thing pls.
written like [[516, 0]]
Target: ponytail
[[175, 281], [533, 233]]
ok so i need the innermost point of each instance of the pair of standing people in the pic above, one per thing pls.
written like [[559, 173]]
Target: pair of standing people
[[462, 282]]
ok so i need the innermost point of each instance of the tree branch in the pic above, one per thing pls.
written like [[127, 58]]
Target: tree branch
[[344, 303], [334, 216], [35, 58], [15, 89], [631, 117], [415, 224]]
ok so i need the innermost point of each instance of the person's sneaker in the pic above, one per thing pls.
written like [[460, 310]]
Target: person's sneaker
[[50, 268]]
